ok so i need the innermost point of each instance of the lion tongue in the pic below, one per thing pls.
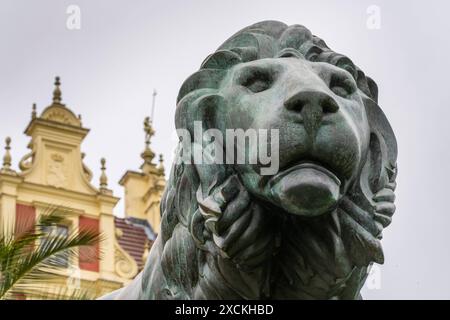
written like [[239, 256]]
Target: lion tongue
[[306, 192]]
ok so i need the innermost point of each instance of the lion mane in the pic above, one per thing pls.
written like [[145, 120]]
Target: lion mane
[[324, 257]]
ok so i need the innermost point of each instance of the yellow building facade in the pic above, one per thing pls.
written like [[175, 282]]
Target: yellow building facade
[[53, 175]]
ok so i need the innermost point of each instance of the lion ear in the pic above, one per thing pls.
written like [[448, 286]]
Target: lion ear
[[380, 127], [202, 79], [207, 109], [203, 118], [201, 106], [379, 170]]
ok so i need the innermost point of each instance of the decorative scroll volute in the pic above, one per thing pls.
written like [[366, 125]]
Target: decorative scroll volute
[[124, 264]]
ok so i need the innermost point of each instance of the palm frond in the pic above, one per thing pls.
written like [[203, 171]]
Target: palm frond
[[47, 284], [27, 261]]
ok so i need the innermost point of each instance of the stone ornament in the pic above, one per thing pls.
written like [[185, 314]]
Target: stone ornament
[[7, 159], [57, 171], [57, 112], [312, 230]]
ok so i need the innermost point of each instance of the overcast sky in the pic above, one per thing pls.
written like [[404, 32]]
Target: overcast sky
[[124, 49]]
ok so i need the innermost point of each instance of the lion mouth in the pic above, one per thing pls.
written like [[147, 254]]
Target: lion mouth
[[305, 189], [305, 165]]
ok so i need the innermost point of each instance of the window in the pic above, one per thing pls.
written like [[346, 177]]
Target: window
[[62, 259]]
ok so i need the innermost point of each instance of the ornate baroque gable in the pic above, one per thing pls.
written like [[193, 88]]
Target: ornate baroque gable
[[59, 113]]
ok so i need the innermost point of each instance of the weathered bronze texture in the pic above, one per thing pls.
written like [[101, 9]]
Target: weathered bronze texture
[[312, 230]]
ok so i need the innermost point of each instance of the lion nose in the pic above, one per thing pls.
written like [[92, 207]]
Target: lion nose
[[320, 102], [313, 106]]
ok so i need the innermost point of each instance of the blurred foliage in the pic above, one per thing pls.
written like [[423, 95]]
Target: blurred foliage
[[31, 260]]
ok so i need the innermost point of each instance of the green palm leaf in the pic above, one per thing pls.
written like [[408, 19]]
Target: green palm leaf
[[27, 260]]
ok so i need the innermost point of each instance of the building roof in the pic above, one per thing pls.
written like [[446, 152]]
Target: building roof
[[136, 234]]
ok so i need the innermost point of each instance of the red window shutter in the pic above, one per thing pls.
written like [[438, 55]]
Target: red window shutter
[[19, 296], [25, 219], [89, 256]]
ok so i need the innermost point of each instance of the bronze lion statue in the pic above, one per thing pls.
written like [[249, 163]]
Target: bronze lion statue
[[310, 231]]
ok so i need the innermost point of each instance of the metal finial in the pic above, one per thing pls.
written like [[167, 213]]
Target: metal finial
[[7, 159], [57, 91], [161, 163], [153, 104], [148, 154], [34, 112], [103, 177]]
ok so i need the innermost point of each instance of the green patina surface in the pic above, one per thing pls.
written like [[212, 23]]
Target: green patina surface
[[312, 229]]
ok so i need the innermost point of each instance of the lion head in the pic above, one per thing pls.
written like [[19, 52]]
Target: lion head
[[312, 229]]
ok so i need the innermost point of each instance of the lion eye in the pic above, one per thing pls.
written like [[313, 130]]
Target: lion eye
[[256, 80], [342, 87]]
